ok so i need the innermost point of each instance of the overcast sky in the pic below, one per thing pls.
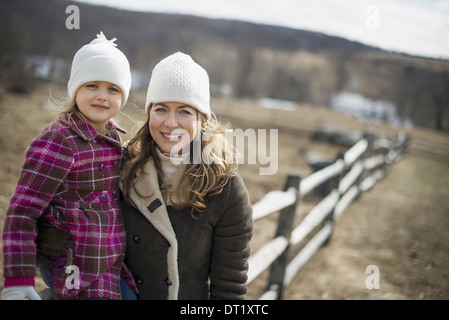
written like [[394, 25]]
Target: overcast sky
[[418, 27]]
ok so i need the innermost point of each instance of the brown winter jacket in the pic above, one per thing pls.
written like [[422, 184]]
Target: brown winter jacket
[[173, 256]]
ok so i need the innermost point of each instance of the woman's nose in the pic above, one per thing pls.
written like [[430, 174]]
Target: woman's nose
[[171, 121]]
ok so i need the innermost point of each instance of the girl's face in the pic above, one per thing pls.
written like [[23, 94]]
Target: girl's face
[[99, 101], [172, 125]]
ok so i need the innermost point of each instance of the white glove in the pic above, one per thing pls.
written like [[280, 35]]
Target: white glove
[[20, 293]]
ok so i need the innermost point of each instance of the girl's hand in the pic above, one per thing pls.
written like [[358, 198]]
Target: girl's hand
[[20, 293]]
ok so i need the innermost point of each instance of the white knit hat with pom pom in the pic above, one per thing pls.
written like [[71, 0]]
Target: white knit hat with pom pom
[[100, 60]]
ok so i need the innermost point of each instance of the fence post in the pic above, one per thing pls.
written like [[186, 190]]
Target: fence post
[[336, 183], [285, 227], [370, 138]]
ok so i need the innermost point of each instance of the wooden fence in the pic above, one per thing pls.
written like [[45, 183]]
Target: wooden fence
[[355, 171]]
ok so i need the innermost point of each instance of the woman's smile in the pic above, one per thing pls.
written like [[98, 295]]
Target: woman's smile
[[172, 136]]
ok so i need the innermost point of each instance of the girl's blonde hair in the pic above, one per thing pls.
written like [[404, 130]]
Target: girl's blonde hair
[[201, 180]]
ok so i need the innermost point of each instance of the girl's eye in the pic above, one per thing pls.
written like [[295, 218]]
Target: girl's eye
[[114, 89], [91, 85]]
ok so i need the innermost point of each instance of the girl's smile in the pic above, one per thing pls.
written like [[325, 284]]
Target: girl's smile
[[100, 107]]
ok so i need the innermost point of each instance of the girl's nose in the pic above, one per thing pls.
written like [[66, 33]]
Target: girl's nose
[[102, 94]]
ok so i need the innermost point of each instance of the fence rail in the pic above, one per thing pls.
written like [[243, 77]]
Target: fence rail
[[354, 172]]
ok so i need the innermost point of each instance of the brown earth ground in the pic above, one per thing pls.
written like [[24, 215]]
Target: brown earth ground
[[400, 225]]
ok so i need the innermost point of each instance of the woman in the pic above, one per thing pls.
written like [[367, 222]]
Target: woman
[[186, 210]]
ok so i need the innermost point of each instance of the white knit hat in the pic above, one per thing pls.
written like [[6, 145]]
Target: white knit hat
[[178, 78], [100, 60]]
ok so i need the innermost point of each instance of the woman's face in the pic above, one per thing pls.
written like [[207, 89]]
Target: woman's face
[[172, 125]]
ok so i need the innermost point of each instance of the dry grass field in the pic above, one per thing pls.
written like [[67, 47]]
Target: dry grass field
[[400, 225]]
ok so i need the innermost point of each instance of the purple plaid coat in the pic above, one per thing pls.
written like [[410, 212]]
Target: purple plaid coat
[[71, 179]]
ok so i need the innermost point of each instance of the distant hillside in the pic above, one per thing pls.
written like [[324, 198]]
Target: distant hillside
[[45, 21], [249, 60]]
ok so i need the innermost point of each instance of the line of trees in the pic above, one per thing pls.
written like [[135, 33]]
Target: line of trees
[[253, 60]]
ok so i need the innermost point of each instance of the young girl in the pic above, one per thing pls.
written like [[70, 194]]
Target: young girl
[[70, 179]]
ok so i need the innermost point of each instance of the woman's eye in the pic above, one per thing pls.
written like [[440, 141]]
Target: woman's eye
[[185, 112]]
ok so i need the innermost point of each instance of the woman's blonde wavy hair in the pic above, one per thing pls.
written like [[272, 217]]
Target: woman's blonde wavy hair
[[201, 180]]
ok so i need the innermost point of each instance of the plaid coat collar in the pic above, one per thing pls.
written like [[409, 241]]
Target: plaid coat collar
[[86, 131]]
